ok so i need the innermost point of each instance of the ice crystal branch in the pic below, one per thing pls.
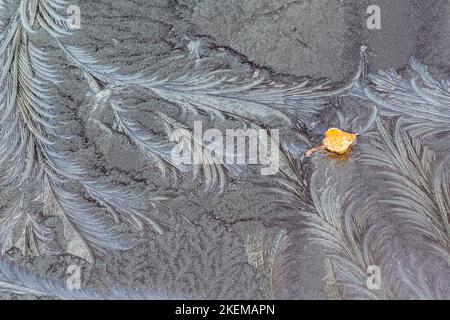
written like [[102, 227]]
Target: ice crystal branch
[[19, 281], [219, 93], [30, 161], [272, 254], [421, 98], [419, 182], [212, 169], [339, 224]]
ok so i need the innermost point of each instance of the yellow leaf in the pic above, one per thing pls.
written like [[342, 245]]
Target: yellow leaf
[[336, 141]]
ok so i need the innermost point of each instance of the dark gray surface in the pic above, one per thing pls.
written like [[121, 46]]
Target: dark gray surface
[[291, 39]]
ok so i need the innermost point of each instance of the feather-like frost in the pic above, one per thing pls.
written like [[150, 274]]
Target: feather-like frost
[[421, 97], [418, 182], [29, 156], [331, 288], [36, 14], [19, 281], [221, 93], [204, 161], [85, 227], [340, 226], [158, 151], [272, 254], [337, 222]]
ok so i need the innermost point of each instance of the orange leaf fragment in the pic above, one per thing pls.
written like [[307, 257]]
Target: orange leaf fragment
[[336, 141]]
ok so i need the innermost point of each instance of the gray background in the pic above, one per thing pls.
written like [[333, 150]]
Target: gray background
[[291, 39]]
